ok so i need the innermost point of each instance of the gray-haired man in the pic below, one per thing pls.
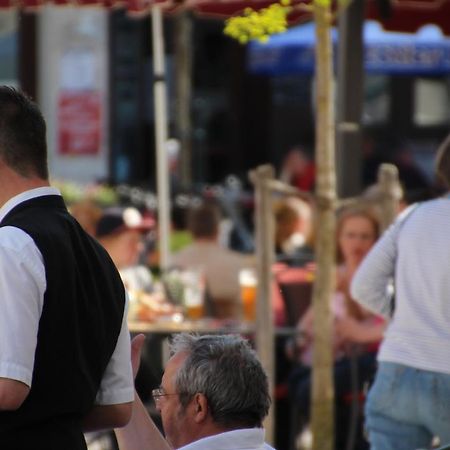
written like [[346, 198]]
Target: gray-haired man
[[213, 395]]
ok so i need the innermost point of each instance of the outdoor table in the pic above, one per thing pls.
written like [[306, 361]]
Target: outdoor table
[[200, 326], [162, 329], [159, 331]]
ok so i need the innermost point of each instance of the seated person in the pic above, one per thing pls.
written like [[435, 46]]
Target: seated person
[[298, 169], [293, 231], [121, 231], [221, 266], [214, 394], [357, 332]]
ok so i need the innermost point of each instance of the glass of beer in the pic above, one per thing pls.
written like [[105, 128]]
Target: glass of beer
[[194, 294], [248, 283]]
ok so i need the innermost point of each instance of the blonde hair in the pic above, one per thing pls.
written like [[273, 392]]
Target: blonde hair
[[355, 211], [287, 213], [352, 307]]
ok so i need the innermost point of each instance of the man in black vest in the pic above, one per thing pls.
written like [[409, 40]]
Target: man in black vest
[[64, 343]]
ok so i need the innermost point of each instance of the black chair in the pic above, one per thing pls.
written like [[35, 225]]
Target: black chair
[[296, 295], [296, 292]]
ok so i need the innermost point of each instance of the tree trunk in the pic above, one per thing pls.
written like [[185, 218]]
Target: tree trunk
[[322, 398], [265, 337], [391, 193]]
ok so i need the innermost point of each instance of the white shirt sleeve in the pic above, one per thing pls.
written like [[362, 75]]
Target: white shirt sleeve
[[22, 287], [117, 385], [370, 283]]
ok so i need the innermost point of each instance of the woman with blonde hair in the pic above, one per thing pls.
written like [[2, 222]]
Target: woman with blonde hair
[[357, 332]]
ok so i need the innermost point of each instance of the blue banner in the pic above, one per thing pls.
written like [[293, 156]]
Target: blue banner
[[424, 53]]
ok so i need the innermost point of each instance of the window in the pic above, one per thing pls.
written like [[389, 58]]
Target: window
[[376, 100], [8, 48], [431, 102]]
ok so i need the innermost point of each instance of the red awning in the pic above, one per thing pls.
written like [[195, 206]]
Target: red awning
[[214, 8], [395, 15], [133, 6]]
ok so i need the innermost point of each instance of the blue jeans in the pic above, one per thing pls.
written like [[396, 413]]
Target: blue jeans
[[406, 407]]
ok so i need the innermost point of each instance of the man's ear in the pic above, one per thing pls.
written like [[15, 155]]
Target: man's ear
[[200, 405]]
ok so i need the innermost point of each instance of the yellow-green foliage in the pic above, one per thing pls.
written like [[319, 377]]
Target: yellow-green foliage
[[259, 25], [73, 192], [323, 3]]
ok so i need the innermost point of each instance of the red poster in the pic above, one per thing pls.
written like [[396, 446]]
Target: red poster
[[79, 123]]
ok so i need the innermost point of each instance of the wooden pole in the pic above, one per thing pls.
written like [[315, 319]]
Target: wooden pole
[[350, 83], [162, 170], [183, 74], [391, 193], [322, 398], [261, 177]]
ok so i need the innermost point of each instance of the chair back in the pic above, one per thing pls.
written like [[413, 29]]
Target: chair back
[[296, 286]]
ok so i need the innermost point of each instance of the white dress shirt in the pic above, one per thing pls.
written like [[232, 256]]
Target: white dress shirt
[[22, 288], [244, 439]]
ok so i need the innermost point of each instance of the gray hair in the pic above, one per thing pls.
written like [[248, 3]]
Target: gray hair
[[442, 164], [227, 371]]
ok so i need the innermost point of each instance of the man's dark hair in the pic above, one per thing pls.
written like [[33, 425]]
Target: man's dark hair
[[203, 221], [442, 163], [23, 144]]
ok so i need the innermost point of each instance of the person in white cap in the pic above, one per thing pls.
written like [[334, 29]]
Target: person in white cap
[[121, 230]]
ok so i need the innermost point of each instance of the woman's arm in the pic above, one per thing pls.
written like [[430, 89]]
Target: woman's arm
[[369, 285], [360, 332]]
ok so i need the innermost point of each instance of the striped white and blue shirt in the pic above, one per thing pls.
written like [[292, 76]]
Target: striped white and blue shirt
[[415, 251]]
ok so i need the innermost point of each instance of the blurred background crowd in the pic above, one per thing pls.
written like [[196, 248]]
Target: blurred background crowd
[[212, 244], [91, 71]]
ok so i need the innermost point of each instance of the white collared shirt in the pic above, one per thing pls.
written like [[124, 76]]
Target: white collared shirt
[[244, 439], [22, 288]]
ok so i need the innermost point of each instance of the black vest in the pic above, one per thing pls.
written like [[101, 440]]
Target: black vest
[[78, 330]]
